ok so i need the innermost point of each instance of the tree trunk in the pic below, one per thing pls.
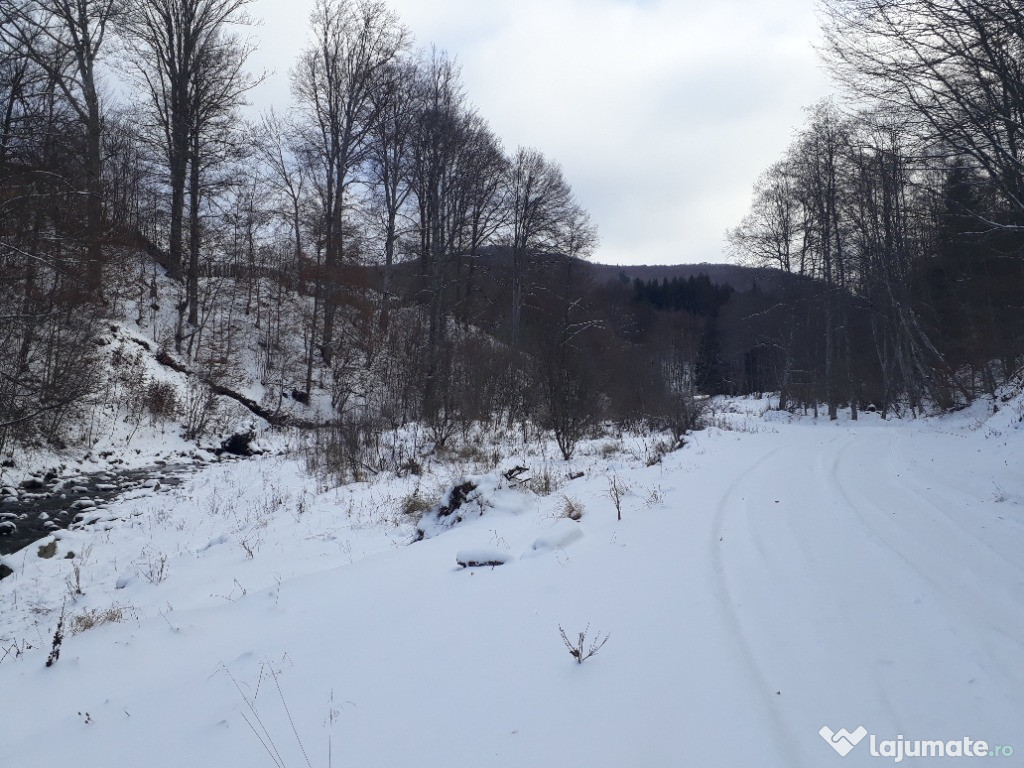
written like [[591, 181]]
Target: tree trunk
[[194, 232], [93, 190], [178, 172]]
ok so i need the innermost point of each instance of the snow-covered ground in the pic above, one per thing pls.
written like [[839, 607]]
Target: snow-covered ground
[[770, 579]]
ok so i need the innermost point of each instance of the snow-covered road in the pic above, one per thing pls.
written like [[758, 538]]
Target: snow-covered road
[[763, 583], [871, 577]]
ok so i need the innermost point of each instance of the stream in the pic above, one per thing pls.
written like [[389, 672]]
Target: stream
[[38, 506]]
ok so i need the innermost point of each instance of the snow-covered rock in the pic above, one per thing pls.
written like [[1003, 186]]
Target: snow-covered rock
[[478, 558]]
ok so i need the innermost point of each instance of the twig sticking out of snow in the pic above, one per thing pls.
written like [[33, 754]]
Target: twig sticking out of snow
[[264, 736]]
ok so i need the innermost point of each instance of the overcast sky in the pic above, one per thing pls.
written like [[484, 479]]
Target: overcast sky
[[661, 112]]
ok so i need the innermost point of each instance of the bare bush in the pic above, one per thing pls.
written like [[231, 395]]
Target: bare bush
[[153, 567], [580, 649], [49, 371], [687, 413], [544, 483], [199, 409], [128, 381], [616, 490], [656, 450], [161, 400]]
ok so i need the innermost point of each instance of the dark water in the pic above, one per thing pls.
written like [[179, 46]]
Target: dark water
[[34, 509]]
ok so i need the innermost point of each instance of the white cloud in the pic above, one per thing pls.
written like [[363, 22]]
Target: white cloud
[[662, 112]]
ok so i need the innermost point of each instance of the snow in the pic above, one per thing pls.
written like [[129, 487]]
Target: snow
[[775, 577], [560, 535]]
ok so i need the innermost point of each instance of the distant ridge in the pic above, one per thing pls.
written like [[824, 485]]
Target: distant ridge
[[738, 277]]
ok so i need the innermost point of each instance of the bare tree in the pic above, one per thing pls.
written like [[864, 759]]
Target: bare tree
[[486, 209], [539, 198], [66, 39], [883, 214], [333, 83], [822, 148], [566, 341], [438, 155], [18, 75], [216, 91], [178, 49], [288, 176], [390, 150], [951, 69], [777, 233], [771, 233]]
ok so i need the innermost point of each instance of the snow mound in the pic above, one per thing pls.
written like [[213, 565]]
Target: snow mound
[[463, 500], [470, 498], [1007, 409], [560, 535]]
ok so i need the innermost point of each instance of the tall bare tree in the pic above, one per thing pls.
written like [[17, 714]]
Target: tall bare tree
[[438, 155], [539, 199], [289, 178], [172, 46], [952, 70], [390, 150], [487, 209], [66, 39], [333, 84], [216, 92]]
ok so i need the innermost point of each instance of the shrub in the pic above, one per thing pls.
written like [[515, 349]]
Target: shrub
[[616, 490], [580, 650], [161, 400], [200, 409], [687, 414]]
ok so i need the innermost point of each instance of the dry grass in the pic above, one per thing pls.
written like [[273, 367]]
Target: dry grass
[[95, 617], [571, 508], [414, 504], [544, 483]]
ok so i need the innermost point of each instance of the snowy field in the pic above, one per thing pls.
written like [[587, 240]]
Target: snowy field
[[776, 576]]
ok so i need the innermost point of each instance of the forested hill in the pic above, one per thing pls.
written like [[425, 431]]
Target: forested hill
[[737, 277]]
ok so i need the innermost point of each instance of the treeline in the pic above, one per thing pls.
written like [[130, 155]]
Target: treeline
[[372, 242], [899, 221], [696, 294]]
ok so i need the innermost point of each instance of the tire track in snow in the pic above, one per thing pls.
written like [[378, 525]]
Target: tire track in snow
[[955, 603], [966, 609], [827, 464], [937, 501], [800, 553], [784, 739], [828, 573]]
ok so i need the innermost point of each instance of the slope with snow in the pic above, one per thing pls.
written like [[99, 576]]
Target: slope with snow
[[769, 579]]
